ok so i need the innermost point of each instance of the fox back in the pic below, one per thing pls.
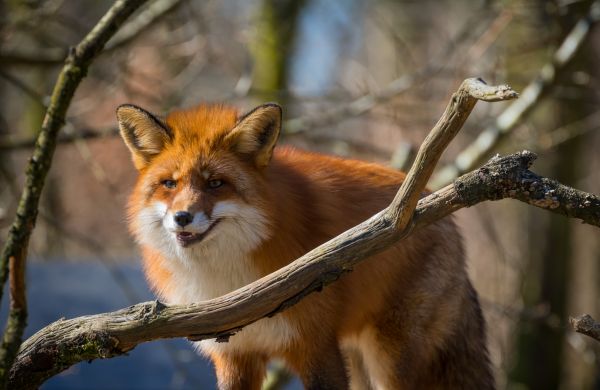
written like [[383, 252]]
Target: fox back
[[217, 206]]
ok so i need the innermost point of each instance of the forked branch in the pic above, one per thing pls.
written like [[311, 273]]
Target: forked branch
[[284, 287], [66, 342], [475, 153], [444, 131]]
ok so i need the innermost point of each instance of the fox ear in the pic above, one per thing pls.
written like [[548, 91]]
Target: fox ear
[[256, 133], [143, 133]]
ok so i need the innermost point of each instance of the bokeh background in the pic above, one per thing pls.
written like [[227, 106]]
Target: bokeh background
[[357, 78]]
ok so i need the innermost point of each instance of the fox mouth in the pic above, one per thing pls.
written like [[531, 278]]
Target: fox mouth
[[186, 239]]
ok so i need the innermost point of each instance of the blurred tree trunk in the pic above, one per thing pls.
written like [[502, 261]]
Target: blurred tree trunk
[[580, 369], [540, 345], [5, 194], [3, 15], [51, 238], [273, 46]]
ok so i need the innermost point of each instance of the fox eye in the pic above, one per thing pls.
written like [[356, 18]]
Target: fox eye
[[215, 183], [170, 184]]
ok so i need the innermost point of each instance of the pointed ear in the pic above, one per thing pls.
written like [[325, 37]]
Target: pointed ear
[[256, 133], [143, 133]]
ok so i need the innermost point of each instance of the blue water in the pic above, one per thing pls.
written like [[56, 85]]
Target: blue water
[[60, 289]]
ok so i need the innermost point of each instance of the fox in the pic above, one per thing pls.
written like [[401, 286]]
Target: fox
[[217, 205]]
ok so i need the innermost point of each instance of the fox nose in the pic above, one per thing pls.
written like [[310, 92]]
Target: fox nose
[[183, 218]]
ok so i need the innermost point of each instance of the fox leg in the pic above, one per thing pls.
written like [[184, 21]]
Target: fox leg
[[443, 350], [359, 378], [237, 371], [391, 362], [322, 368]]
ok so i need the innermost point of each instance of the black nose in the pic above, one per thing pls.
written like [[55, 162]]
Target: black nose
[[183, 218]]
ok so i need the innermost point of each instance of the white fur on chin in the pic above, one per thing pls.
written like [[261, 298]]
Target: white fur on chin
[[215, 266]]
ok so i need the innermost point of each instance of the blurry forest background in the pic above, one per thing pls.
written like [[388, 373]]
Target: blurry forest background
[[358, 78]]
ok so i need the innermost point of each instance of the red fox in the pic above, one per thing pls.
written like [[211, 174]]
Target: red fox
[[218, 206]]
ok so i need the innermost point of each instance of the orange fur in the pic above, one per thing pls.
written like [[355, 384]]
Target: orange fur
[[405, 318]]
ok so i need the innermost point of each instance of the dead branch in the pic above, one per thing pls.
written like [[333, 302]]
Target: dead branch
[[344, 251], [462, 103], [26, 89], [369, 101], [41, 57], [7, 144], [467, 160], [67, 342], [141, 22], [513, 115], [56, 56], [586, 325], [15, 249], [562, 134]]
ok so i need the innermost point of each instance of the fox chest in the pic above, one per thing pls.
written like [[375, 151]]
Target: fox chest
[[203, 280]]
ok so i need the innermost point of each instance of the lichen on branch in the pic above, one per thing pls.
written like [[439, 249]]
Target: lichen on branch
[[55, 347], [14, 253]]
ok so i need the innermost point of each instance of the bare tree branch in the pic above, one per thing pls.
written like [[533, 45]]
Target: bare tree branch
[[15, 249], [289, 126], [7, 144], [142, 21], [466, 160], [18, 83], [462, 103], [41, 57], [514, 114], [355, 244], [67, 342], [586, 325], [552, 139], [56, 56], [397, 87]]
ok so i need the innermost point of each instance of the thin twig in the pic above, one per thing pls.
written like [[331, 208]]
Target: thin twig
[[366, 103], [7, 144], [20, 84], [142, 21], [41, 57], [514, 114], [15, 250], [354, 108], [569, 131], [56, 56]]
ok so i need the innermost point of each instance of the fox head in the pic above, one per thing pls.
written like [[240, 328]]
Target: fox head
[[200, 176]]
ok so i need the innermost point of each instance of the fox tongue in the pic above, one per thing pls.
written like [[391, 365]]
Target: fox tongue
[[188, 238]]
